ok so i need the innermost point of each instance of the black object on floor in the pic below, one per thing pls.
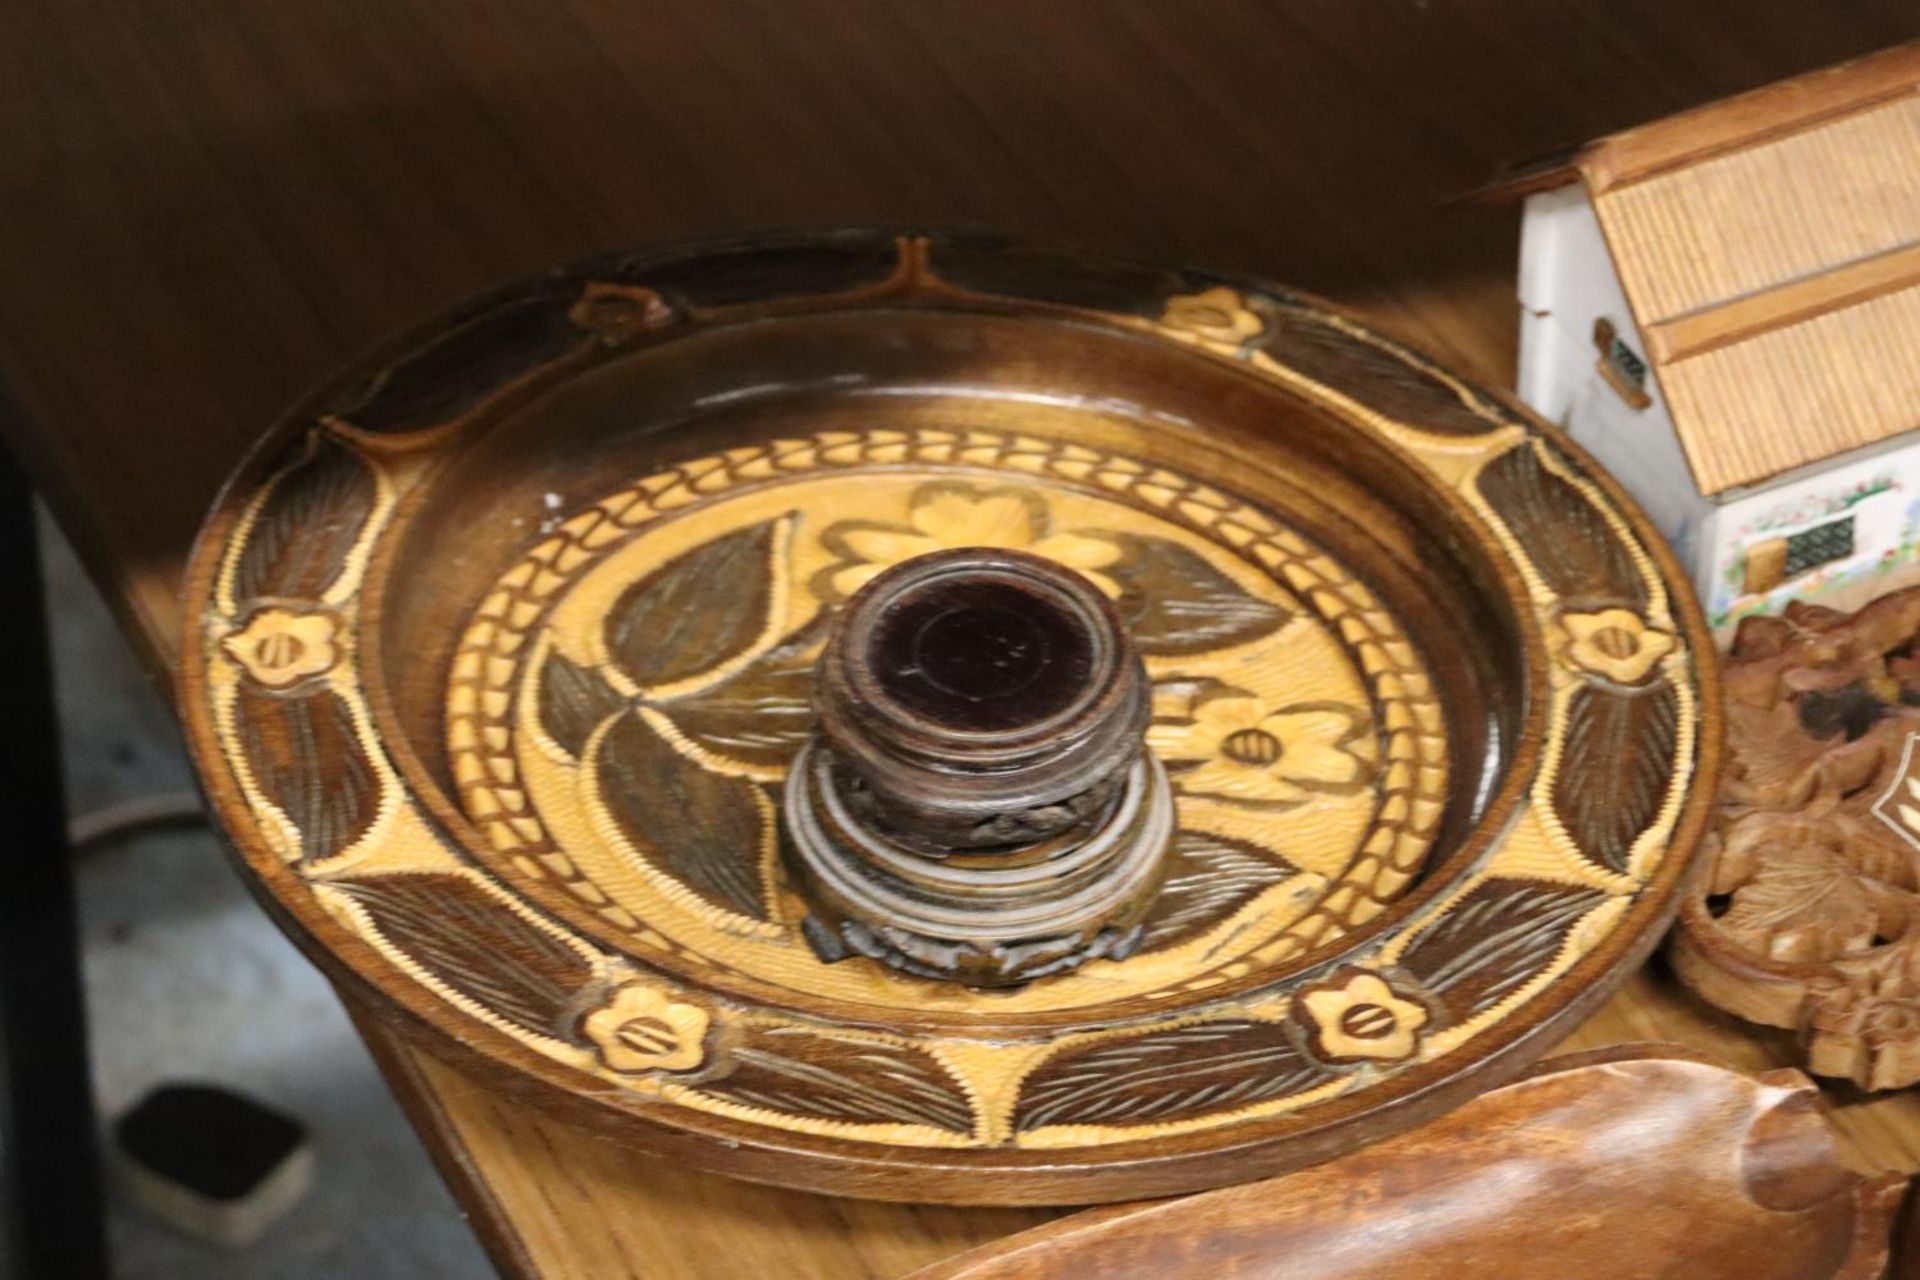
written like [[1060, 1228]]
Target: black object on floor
[[213, 1163]]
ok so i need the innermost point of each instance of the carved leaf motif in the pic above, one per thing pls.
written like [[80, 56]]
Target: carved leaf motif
[[1210, 878], [1804, 904], [1495, 940], [1167, 1075], [475, 944], [704, 829], [465, 363], [305, 758], [310, 520], [762, 714], [1615, 768], [990, 265], [1377, 374], [801, 1072], [1563, 534], [574, 701], [697, 610], [1174, 602]]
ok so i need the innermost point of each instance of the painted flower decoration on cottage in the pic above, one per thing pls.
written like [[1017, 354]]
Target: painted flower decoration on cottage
[[1217, 315], [1357, 1017], [643, 1029], [949, 514], [1614, 643], [1237, 746], [280, 647]]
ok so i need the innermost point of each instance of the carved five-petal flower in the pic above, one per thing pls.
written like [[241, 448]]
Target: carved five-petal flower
[[643, 1029], [1212, 315], [280, 647], [1615, 643], [1356, 1016], [947, 514], [1244, 748]]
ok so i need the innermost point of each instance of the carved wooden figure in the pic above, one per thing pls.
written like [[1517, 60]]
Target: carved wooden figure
[[504, 665], [1807, 917]]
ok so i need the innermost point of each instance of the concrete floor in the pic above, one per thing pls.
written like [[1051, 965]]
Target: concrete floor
[[187, 980]]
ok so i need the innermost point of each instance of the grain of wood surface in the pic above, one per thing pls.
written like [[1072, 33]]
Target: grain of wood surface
[[205, 205]]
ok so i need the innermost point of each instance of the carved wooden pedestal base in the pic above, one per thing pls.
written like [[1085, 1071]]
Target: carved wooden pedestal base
[[979, 805]]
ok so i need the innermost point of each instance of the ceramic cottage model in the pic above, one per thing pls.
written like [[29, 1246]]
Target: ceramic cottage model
[[1724, 306], [929, 718]]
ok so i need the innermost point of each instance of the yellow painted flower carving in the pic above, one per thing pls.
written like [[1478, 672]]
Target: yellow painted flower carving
[[1240, 747], [1213, 315], [281, 647], [1357, 1016], [944, 515], [1615, 643], [642, 1029]]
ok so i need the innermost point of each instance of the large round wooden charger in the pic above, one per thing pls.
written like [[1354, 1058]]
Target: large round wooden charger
[[502, 643]]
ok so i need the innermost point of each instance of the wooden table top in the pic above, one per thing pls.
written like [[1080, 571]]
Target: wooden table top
[[205, 204]]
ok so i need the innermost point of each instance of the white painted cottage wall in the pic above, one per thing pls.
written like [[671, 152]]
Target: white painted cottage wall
[[1874, 487], [1566, 283]]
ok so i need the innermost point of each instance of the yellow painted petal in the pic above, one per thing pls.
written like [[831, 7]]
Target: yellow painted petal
[[939, 515], [1234, 781], [887, 546], [853, 577], [1078, 552], [1183, 741], [1226, 715], [956, 519], [1581, 625], [1175, 698], [1002, 520], [1311, 746]]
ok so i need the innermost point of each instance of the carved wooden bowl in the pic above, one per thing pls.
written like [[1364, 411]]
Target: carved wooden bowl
[[503, 643]]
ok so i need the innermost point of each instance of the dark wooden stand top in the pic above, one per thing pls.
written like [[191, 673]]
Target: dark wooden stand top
[[204, 205]]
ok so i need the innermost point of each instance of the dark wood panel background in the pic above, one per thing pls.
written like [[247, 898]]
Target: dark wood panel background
[[206, 203]]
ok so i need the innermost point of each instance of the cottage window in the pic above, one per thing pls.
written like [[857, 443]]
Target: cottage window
[[1813, 547]]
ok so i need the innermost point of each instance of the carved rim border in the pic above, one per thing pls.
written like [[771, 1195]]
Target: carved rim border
[[1456, 434]]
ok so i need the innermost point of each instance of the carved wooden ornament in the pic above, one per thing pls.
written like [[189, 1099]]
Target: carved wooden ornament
[[504, 644], [1807, 915]]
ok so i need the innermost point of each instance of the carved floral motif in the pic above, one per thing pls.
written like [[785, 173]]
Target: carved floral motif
[[945, 515], [1864, 1022], [1355, 1016], [1614, 643], [280, 647], [1240, 747], [1213, 315], [643, 1029], [1811, 919]]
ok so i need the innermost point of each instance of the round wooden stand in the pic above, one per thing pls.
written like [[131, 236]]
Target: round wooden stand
[[504, 643]]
